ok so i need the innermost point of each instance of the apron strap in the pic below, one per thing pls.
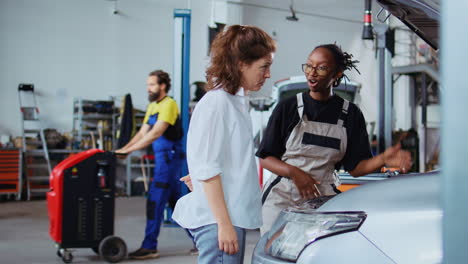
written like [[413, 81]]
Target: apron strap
[[344, 112], [300, 105], [268, 190]]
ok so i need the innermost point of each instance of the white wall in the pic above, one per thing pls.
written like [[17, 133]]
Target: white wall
[[296, 40], [71, 48]]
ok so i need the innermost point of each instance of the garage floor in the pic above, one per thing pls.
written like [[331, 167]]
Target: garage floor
[[24, 236]]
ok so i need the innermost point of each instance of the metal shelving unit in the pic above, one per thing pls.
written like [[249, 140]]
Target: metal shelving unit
[[94, 121], [134, 160]]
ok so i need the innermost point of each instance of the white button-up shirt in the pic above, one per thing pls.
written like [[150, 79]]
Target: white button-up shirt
[[220, 142]]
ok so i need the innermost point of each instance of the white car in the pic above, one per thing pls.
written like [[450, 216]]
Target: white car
[[397, 220], [291, 86]]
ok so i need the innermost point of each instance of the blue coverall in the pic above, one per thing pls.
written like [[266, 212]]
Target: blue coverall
[[169, 158]]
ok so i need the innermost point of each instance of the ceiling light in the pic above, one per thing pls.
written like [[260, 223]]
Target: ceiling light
[[292, 17]]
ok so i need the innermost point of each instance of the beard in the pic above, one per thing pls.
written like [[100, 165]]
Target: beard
[[152, 97]]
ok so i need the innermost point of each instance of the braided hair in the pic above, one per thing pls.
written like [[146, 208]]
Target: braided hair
[[344, 61]]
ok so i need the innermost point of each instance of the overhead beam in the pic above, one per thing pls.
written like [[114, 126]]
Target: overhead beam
[[417, 68]]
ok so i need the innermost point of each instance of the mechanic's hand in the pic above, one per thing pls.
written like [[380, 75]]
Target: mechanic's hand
[[305, 184], [397, 157], [121, 154], [188, 181], [227, 239]]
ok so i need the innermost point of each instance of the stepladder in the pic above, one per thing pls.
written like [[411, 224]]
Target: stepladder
[[36, 163]]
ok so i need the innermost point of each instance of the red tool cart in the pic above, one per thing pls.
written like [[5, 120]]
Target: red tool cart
[[10, 172], [81, 205]]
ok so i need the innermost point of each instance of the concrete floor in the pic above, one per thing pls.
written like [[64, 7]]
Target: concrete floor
[[24, 236]]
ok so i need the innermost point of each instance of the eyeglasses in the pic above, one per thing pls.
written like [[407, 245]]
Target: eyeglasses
[[320, 70]]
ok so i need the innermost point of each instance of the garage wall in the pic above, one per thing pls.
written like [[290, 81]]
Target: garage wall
[[297, 39], [71, 48]]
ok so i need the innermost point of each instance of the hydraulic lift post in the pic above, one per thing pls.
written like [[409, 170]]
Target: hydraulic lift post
[[385, 92]]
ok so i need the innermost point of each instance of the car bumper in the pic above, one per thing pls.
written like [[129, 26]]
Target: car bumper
[[351, 247]]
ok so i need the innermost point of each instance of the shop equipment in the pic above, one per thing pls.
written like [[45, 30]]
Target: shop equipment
[[10, 172], [81, 206], [33, 142]]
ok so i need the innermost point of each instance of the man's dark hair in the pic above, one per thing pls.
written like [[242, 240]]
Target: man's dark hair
[[163, 77]]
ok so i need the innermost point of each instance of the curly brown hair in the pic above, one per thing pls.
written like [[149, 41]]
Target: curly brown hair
[[237, 44]]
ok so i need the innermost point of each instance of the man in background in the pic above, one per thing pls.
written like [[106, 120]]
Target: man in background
[[161, 128]]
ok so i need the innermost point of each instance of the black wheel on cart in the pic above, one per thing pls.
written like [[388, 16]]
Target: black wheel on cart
[[95, 250], [67, 257], [113, 249], [59, 254]]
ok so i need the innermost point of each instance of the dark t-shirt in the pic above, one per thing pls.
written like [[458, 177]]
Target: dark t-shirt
[[285, 117]]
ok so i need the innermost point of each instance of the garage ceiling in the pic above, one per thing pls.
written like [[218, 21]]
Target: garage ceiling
[[350, 10]]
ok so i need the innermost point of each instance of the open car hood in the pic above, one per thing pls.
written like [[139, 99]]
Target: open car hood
[[421, 16]]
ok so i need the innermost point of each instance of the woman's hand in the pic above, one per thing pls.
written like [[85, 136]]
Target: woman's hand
[[227, 239], [227, 236], [188, 181], [305, 184], [397, 157]]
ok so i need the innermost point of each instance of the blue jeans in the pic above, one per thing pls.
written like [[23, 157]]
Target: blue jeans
[[206, 240]]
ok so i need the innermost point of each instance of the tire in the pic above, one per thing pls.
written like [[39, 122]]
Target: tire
[[67, 257], [95, 249], [113, 249]]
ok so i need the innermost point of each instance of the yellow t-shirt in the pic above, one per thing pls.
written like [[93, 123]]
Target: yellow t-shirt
[[166, 110]]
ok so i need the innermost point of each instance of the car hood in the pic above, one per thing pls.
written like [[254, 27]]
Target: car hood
[[403, 213], [403, 192], [421, 16]]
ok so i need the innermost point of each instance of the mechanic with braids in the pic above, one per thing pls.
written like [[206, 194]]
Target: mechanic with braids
[[311, 134]]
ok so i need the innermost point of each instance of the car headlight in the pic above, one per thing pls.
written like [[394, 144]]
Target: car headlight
[[294, 230]]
